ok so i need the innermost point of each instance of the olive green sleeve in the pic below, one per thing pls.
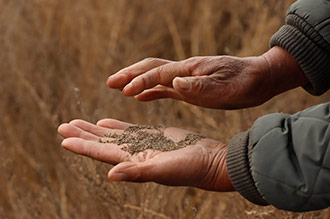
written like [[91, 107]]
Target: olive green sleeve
[[306, 36], [284, 160]]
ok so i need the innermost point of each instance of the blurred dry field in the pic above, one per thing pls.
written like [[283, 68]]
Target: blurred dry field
[[54, 59]]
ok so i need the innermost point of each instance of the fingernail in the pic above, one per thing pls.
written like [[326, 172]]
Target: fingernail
[[183, 83], [109, 81], [65, 143], [114, 77], [127, 88], [118, 176], [111, 77]]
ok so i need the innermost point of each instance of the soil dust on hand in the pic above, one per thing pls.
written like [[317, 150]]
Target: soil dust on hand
[[139, 138]]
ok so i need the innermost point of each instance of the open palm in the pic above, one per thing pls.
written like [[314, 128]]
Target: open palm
[[201, 164]]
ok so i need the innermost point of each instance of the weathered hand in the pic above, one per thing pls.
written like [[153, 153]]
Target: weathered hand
[[201, 164], [222, 82]]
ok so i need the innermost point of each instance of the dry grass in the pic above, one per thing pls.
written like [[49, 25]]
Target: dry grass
[[54, 59]]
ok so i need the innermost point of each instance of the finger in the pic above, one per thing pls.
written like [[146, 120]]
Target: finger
[[91, 128], [109, 153], [113, 124], [69, 130], [159, 93], [162, 75], [124, 76]]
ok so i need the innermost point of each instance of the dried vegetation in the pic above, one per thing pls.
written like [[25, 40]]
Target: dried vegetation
[[54, 59]]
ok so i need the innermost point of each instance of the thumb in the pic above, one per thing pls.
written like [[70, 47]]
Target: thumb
[[190, 86], [148, 171], [132, 172]]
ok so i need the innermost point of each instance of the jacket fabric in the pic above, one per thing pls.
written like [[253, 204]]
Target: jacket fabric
[[284, 160], [306, 35]]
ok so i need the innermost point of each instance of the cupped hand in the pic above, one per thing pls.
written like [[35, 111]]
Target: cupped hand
[[201, 164], [222, 82]]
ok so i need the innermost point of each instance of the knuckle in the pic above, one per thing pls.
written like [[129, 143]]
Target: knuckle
[[193, 59], [192, 64], [231, 63], [76, 122], [159, 70], [158, 73], [150, 60], [149, 79], [144, 81], [199, 86]]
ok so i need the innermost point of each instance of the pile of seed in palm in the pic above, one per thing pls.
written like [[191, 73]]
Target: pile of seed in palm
[[139, 138]]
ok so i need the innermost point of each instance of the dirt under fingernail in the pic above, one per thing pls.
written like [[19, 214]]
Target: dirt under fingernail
[[139, 138]]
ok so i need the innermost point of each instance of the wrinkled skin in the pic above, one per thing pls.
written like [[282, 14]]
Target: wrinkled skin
[[201, 165], [221, 82]]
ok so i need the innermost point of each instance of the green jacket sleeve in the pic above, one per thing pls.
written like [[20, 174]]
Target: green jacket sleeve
[[306, 36], [284, 160]]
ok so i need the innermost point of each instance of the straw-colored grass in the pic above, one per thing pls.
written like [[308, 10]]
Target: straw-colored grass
[[54, 59]]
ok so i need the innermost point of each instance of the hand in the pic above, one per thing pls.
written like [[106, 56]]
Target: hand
[[202, 164], [222, 82]]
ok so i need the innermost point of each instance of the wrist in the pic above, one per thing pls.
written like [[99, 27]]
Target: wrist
[[284, 73], [228, 185], [221, 181]]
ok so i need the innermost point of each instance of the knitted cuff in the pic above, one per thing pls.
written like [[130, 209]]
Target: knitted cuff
[[239, 169], [309, 49]]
